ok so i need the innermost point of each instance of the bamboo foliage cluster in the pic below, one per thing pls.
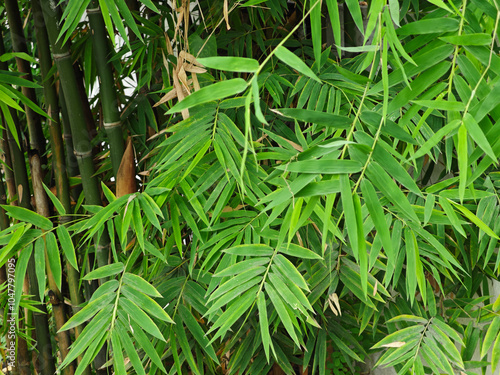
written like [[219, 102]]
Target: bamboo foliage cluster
[[283, 197]]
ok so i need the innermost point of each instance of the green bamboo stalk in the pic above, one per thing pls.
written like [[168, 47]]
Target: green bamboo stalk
[[37, 140], [40, 319], [61, 179], [107, 89], [81, 138], [56, 299], [9, 174]]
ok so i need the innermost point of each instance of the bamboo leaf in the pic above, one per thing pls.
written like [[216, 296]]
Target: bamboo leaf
[[255, 250], [402, 335], [264, 324], [54, 258], [197, 332], [230, 63], [316, 117], [491, 334], [39, 255], [477, 39], [323, 166], [282, 312], [67, 245], [295, 62], [298, 252], [105, 271], [475, 131], [288, 270], [88, 311], [146, 303], [140, 284], [219, 90], [240, 267], [141, 318], [57, 204], [23, 214]]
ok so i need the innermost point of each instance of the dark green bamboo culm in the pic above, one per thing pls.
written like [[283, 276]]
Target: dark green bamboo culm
[[81, 138], [37, 140], [109, 101], [44, 346]]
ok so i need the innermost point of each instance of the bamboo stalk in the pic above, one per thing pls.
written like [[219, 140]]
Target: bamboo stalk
[[37, 140], [40, 319], [56, 299], [81, 138], [107, 89], [62, 186]]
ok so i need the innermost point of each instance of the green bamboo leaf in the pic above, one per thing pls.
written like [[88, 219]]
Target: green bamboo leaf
[[295, 62], [322, 166], [355, 11], [230, 63], [450, 213], [57, 204], [349, 213], [264, 324], [298, 251], [118, 360], [288, 270], [315, 18], [407, 318], [54, 258], [23, 214], [282, 312], [442, 105], [105, 271], [429, 26], [491, 334], [197, 332], [429, 207], [20, 55], [88, 311], [232, 294], [285, 292], [141, 318], [17, 81], [316, 117], [93, 331], [253, 250], [130, 349], [67, 246], [377, 214], [469, 215], [495, 355], [144, 342], [233, 313], [140, 284], [362, 254], [219, 90], [19, 275], [441, 4], [240, 267], [402, 335], [463, 160], [148, 211], [146, 303], [477, 39], [237, 280], [448, 330], [388, 187], [478, 136], [39, 255], [448, 345]]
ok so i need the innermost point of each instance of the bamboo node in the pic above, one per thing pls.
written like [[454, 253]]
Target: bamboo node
[[60, 56], [84, 154], [110, 125], [94, 10]]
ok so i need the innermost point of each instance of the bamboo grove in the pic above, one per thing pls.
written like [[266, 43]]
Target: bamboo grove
[[252, 187]]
